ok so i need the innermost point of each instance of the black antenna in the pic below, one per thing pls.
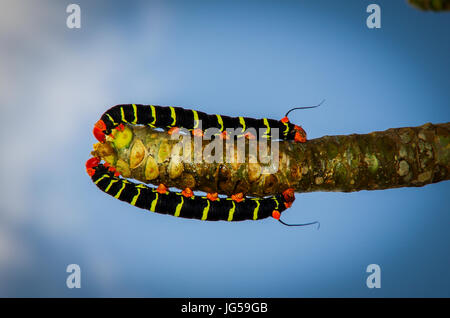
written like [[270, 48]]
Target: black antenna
[[304, 224], [305, 107]]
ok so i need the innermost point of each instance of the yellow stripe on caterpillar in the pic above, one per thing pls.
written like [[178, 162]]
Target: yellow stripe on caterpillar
[[122, 115], [133, 201], [124, 183], [255, 211], [173, 116], [220, 121], [110, 185], [242, 122], [153, 206], [152, 124], [196, 121], [231, 213], [266, 122], [206, 210], [135, 114], [111, 119], [179, 206], [286, 131], [101, 178]]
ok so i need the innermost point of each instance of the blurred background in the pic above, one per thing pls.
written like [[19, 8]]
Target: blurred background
[[250, 58]]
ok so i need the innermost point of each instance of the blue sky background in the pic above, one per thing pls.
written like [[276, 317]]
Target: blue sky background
[[250, 58]]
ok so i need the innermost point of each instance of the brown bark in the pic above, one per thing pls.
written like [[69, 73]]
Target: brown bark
[[400, 157]]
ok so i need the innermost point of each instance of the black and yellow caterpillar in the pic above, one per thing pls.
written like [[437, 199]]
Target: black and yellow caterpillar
[[169, 117], [187, 205]]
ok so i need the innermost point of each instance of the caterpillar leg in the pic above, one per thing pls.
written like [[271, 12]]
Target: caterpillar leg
[[162, 189], [173, 130], [224, 135], [197, 132], [212, 196], [238, 197], [187, 192], [250, 136]]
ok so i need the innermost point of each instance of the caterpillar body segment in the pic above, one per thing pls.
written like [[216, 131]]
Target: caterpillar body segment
[[168, 117], [185, 204]]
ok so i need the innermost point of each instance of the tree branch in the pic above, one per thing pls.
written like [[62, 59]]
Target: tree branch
[[400, 157], [434, 5]]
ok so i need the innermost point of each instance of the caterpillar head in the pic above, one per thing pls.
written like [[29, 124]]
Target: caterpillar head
[[91, 164], [300, 134], [289, 197], [99, 131]]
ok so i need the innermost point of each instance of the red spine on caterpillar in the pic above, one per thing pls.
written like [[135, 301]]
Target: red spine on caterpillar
[[99, 131], [300, 134]]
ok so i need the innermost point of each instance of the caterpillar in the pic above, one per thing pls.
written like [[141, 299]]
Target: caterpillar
[[174, 117], [185, 204]]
